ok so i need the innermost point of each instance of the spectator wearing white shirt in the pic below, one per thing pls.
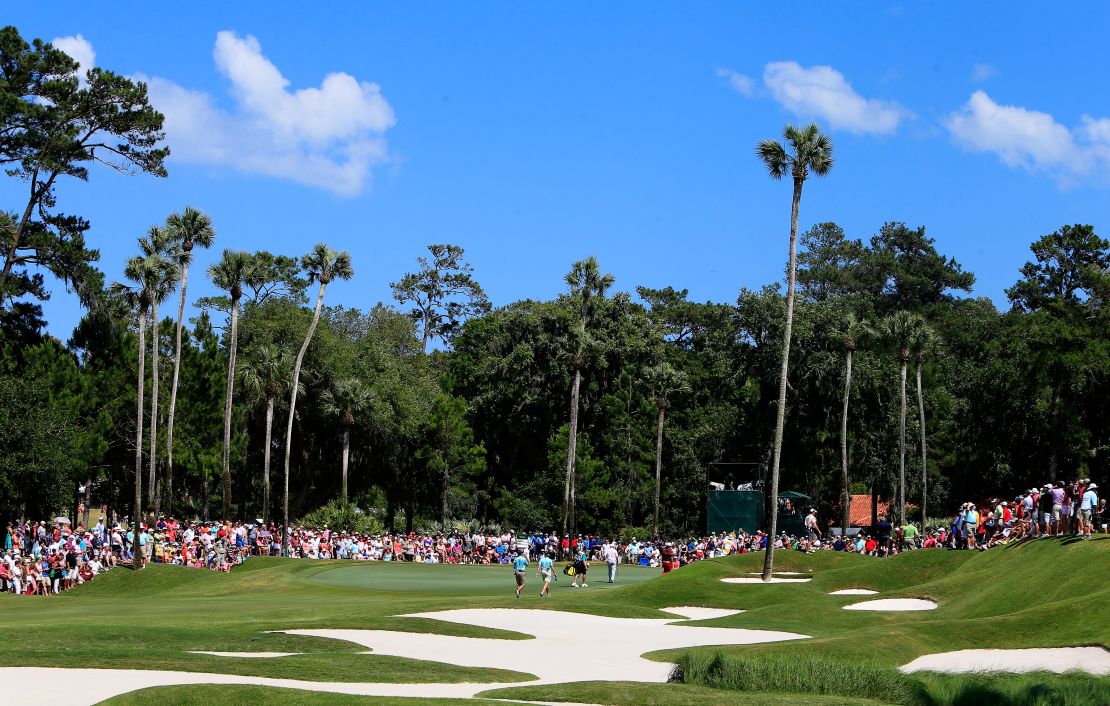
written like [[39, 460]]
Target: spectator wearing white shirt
[[612, 558], [1087, 507]]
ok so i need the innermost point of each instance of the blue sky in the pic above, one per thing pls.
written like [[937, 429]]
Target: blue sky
[[537, 135]]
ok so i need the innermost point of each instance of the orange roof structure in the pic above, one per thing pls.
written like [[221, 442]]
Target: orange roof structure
[[859, 512]]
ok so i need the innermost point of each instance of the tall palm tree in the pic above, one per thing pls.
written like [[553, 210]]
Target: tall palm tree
[[146, 273], [811, 152], [157, 241], [900, 330], [664, 381], [265, 375], [189, 229], [852, 331], [321, 265], [922, 344], [344, 401], [228, 274], [587, 285]]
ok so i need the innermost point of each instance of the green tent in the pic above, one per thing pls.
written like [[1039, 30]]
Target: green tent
[[730, 510], [794, 495]]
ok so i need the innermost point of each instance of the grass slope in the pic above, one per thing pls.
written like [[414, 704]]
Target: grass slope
[[1046, 593], [233, 694]]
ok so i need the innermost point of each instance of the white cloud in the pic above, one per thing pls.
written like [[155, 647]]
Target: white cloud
[[1026, 138], [982, 72], [79, 49], [330, 136], [739, 82], [823, 92]]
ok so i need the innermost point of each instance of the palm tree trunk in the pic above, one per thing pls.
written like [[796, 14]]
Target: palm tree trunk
[[266, 461], [446, 510], [1054, 451], [292, 411], [229, 392], [902, 453], [924, 455], [155, 354], [658, 465], [346, 456], [847, 496], [572, 440], [173, 392], [136, 511], [780, 418]]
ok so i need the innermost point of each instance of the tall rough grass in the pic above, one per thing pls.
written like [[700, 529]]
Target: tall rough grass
[[800, 674], [795, 674]]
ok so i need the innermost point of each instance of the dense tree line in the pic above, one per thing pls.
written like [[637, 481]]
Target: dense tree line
[[605, 409]]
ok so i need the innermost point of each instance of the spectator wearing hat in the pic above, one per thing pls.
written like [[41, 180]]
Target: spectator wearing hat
[[612, 557], [1044, 508], [1087, 506], [811, 524]]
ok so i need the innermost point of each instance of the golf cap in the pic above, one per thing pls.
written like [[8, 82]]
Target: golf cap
[[1094, 486]]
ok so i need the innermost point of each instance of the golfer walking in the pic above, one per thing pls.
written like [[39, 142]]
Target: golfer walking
[[547, 571], [520, 565], [612, 557], [581, 566]]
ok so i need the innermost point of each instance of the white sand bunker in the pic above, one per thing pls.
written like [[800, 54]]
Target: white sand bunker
[[567, 646], [778, 573], [893, 604], [700, 613], [245, 655], [756, 579], [1095, 660], [854, 592]]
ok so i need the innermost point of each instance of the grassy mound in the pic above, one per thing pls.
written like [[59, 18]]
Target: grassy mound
[[1048, 593], [235, 694]]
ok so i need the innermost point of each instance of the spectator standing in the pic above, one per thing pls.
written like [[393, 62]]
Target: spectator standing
[[1087, 507]]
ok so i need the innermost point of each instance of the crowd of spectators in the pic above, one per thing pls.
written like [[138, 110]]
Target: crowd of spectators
[[1054, 509], [46, 559]]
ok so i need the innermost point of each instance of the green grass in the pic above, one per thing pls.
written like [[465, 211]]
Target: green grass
[[447, 580], [235, 694], [988, 599], [622, 693], [795, 674], [815, 675], [1047, 593]]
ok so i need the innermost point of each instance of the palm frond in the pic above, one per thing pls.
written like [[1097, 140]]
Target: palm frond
[[774, 157]]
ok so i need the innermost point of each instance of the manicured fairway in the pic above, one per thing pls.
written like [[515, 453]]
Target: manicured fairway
[[463, 581], [1048, 593]]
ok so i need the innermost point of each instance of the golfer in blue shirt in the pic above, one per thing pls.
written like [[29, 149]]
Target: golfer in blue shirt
[[520, 564], [547, 571]]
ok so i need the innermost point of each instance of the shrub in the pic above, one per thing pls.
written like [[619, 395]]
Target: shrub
[[343, 519]]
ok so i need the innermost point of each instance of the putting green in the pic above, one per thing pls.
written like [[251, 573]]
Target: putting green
[[444, 579]]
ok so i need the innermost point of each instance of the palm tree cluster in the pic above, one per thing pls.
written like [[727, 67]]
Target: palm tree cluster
[[907, 333], [161, 267]]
